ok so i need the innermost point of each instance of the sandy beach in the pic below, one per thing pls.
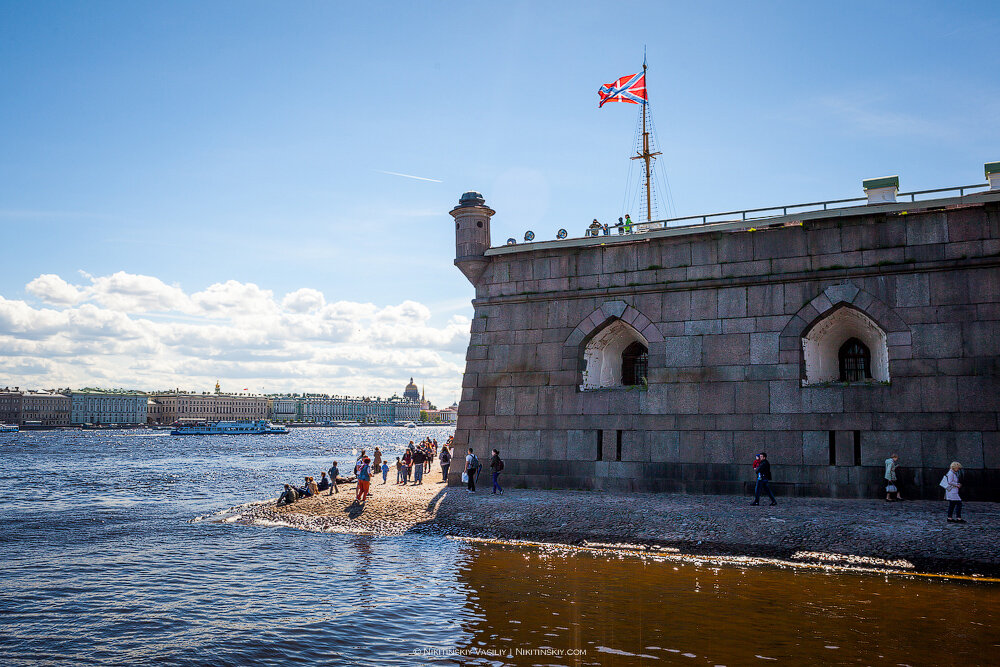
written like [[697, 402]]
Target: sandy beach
[[862, 531]]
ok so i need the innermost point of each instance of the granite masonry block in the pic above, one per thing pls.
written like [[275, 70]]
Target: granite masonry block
[[676, 254], [752, 397], [634, 446], [705, 272], [718, 447], [640, 322], [790, 357], [821, 303], [969, 449], [701, 327], [791, 264], [963, 250], [704, 252], [823, 240], [726, 349], [899, 338], [774, 372], [815, 448], [650, 305], [526, 400], [981, 339], [681, 398], [717, 397], [676, 306], [505, 400], [822, 399], [744, 269], [841, 292], [739, 325], [468, 408], [786, 242], [691, 447], [948, 288], [704, 305], [613, 308], [937, 450], [967, 225], [765, 300], [936, 341], [764, 348], [926, 228], [984, 285], [652, 334], [991, 449], [732, 302], [664, 446]]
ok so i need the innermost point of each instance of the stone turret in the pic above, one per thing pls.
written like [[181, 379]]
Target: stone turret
[[472, 234]]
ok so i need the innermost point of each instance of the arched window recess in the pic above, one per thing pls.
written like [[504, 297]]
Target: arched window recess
[[616, 356], [845, 345]]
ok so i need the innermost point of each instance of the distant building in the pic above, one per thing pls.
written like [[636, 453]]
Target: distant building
[[98, 406], [446, 415], [10, 405], [325, 408], [46, 408], [170, 407], [411, 392]]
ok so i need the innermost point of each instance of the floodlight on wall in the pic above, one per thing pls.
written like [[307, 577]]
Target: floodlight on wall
[[511, 241], [993, 174], [529, 236], [881, 190], [561, 234]]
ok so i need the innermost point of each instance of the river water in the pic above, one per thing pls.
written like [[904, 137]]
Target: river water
[[103, 562]]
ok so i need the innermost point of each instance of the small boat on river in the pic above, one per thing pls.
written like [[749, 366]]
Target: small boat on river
[[259, 427], [9, 428]]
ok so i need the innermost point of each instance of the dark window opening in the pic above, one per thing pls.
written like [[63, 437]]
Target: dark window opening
[[479, 223], [855, 361], [600, 445], [857, 448], [635, 364], [618, 447], [833, 448]]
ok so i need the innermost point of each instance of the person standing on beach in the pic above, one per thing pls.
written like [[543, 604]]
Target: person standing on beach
[[418, 465], [445, 459], [763, 477], [891, 486], [496, 465], [377, 460], [407, 461], [471, 468], [334, 473], [357, 464], [951, 486], [364, 480], [385, 472]]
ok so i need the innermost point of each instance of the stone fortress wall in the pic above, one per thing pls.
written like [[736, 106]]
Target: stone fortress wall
[[742, 329]]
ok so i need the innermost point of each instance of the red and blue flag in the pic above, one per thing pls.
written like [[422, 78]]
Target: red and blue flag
[[630, 88]]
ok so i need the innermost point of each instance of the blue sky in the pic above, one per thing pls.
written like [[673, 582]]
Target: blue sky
[[202, 148]]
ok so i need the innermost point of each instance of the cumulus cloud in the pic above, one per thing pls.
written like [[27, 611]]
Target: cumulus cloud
[[138, 331]]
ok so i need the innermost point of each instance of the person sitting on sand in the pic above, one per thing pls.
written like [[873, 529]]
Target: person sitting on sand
[[324, 483], [288, 497], [311, 485], [334, 474]]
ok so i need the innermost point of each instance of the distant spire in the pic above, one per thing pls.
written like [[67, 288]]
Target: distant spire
[[423, 394]]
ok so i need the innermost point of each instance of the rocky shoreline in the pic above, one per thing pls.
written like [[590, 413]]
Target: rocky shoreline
[[909, 536]]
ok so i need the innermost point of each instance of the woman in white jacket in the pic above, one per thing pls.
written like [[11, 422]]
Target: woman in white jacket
[[951, 493]]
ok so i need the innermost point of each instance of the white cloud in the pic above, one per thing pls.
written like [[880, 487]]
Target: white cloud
[[52, 289], [137, 331]]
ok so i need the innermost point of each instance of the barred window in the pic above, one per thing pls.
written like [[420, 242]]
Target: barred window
[[635, 364], [855, 361]]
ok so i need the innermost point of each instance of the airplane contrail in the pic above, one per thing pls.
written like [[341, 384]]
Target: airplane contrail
[[419, 178]]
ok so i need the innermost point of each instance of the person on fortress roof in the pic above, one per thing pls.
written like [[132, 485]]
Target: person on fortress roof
[[595, 228], [628, 224]]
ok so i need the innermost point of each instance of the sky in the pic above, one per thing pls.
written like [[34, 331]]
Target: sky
[[258, 192]]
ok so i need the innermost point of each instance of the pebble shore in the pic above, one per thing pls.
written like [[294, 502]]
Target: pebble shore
[[859, 530]]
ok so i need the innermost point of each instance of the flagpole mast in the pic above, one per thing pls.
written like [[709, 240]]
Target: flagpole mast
[[646, 156]]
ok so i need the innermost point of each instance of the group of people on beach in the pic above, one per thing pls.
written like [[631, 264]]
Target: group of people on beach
[[951, 483]]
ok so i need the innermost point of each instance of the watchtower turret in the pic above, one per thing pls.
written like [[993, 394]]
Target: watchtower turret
[[472, 234]]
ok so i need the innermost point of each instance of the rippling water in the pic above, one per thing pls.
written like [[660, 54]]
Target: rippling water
[[101, 564]]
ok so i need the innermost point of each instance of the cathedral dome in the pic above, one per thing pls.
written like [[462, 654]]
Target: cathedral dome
[[412, 393]]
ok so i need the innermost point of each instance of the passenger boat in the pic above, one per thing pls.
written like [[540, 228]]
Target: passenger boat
[[409, 425], [261, 426], [9, 428]]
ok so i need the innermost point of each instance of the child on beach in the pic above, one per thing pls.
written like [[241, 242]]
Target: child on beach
[[399, 471], [385, 472]]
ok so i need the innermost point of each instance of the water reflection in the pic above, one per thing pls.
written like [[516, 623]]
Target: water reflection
[[577, 608]]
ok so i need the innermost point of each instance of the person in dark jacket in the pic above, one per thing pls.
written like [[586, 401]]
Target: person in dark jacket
[[445, 459], [334, 474], [324, 483], [496, 465], [763, 477], [288, 497], [419, 457]]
